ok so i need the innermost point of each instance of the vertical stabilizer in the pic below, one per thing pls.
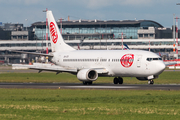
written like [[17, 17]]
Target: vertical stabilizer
[[57, 42]]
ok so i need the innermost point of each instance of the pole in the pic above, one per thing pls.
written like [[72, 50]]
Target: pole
[[177, 37], [122, 40], [174, 32], [42, 38], [61, 24], [46, 35], [26, 23], [149, 46]]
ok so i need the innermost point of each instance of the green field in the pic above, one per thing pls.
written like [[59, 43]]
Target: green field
[[89, 104], [57, 104], [167, 77]]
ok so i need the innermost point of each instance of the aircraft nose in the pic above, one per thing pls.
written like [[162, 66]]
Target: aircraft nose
[[161, 66]]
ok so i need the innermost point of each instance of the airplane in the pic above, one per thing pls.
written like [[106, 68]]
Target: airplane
[[88, 65], [125, 46]]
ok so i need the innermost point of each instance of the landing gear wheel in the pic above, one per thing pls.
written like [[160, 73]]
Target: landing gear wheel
[[116, 80], [84, 83], [120, 80], [87, 83], [150, 82]]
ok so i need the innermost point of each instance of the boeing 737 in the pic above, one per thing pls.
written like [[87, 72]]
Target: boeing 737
[[88, 65]]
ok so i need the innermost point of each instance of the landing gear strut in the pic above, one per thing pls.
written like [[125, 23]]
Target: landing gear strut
[[118, 80], [150, 82]]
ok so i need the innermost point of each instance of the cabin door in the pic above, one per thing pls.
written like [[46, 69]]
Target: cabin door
[[139, 58]]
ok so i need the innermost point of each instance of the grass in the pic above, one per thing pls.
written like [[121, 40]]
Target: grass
[[89, 104], [167, 77]]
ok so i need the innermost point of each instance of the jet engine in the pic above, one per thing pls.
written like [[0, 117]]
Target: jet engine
[[147, 78], [87, 75]]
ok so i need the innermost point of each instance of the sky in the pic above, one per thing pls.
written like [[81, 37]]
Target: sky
[[30, 11]]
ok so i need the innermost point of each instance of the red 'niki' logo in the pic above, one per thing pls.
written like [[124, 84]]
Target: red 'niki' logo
[[127, 60], [53, 31]]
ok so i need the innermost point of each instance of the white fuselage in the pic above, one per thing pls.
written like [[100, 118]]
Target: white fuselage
[[89, 64], [123, 63]]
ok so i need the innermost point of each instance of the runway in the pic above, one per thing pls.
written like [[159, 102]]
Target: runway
[[93, 86]]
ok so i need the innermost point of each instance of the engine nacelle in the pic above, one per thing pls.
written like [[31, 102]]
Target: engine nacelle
[[87, 75], [147, 78]]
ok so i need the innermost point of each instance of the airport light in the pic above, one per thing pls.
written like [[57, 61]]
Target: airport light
[[46, 32], [149, 46], [177, 36], [122, 36], [174, 33], [122, 40], [46, 36], [26, 23]]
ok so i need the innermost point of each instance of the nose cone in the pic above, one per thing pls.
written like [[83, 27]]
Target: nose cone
[[161, 67]]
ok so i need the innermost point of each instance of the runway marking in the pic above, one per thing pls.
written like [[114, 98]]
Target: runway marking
[[103, 87]]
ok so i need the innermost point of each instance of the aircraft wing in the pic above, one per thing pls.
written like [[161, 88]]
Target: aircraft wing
[[101, 70], [170, 63], [55, 68], [33, 53], [46, 67]]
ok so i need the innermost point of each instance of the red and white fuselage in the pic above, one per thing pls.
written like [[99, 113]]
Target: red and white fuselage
[[89, 64]]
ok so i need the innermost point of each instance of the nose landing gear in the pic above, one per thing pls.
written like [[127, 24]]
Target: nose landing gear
[[118, 80]]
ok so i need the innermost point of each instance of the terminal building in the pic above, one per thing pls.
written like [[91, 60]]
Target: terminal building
[[96, 29], [91, 34]]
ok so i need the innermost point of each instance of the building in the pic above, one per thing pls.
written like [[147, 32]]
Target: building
[[97, 29], [92, 34]]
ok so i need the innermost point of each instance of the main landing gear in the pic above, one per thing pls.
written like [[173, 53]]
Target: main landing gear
[[150, 82], [118, 80], [87, 83]]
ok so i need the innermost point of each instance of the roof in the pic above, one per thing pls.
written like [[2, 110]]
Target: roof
[[100, 22]]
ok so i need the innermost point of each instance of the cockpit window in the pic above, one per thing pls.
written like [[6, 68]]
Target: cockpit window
[[150, 59]]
